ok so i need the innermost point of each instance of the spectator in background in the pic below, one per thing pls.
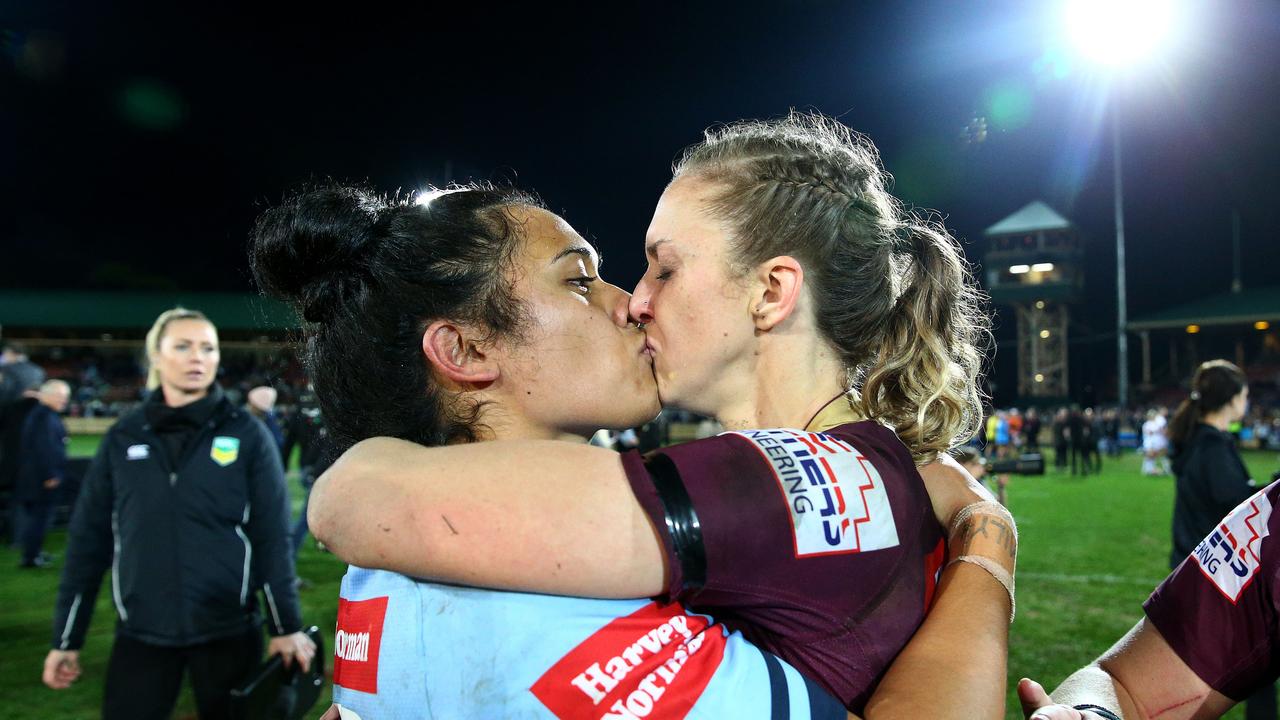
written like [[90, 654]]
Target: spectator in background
[[1004, 437], [18, 375], [989, 433], [1031, 430], [1015, 429], [261, 403], [41, 467], [1061, 438], [1155, 445], [307, 432], [1093, 436], [185, 502], [1111, 431], [1210, 475], [1079, 433]]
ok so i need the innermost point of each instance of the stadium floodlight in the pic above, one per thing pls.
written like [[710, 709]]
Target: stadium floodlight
[[1042, 267], [1120, 33], [1019, 269], [1115, 35]]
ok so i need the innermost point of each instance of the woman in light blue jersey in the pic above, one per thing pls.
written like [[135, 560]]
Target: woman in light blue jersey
[[462, 316], [787, 289]]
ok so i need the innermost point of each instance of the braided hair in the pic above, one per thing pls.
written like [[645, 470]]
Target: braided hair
[[894, 295]]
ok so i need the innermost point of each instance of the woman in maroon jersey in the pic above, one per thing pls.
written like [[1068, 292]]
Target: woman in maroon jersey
[[787, 290]]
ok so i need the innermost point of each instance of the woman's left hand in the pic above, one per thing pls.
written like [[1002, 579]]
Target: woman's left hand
[[296, 646]]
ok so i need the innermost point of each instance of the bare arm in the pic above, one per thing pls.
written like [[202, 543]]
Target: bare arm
[[960, 651], [477, 515], [1140, 677]]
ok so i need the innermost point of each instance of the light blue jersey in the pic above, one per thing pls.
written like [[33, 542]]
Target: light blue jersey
[[411, 649]]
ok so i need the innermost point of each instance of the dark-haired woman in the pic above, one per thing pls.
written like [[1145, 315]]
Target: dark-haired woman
[[185, 503], [1211, 476], [786, 291], [476, 315]]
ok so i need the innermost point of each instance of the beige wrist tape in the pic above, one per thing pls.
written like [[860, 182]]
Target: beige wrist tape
[[984, 534]]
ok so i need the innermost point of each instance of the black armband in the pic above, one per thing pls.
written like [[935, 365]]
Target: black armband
[[682, 520], [1098, 710]]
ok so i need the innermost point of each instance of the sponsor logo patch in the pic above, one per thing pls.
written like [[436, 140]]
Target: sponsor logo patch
[[356, 644], [225, 450], [1229, 557], [836, 498], [655, 661], [138, 452]]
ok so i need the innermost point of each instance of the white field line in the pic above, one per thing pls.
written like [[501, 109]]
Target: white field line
[[1102, 579]]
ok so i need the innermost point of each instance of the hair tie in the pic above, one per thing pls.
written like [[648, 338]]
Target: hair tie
[[1195, 396]]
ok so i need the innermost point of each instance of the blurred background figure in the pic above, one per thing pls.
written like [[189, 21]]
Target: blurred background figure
[[41, 467], [1031, 430], [18, 374], [1061, 438], [989, 433], [1080, 435], [1155, 445], [306, 431], [261, 403], [1094, 434]]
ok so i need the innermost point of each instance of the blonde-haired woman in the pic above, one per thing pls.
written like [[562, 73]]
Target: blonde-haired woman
[[185, 503], [837, 336]]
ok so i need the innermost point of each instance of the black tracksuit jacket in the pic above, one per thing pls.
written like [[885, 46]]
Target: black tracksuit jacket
[[189, 540]]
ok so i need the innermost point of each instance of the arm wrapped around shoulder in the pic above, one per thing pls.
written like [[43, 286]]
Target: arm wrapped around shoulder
[[984, 534]]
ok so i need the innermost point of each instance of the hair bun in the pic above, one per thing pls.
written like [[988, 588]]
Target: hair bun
[[308, 251]]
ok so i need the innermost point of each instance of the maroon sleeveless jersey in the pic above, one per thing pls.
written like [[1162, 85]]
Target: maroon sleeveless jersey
[[821, 547]]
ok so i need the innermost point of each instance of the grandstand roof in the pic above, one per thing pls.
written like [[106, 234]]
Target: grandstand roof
[[1035, 216], [82, 309], [1247, 306]]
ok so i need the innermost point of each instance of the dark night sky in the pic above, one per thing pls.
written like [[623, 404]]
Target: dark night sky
[[138, 147]]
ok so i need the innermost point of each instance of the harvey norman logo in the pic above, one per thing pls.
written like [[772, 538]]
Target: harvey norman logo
[[351, 646], [836, 497], [655, 661], [356, 644]]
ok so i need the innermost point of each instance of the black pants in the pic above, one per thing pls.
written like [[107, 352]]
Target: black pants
[[35, 523], [143, 680]]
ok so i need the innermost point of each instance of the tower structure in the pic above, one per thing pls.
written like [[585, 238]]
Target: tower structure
[[1033, 265]]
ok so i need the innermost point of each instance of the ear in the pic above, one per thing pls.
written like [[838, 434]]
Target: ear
[[453, 352], [781, 280]]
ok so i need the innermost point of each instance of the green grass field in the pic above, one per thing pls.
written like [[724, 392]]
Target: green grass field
[[1092, 549]]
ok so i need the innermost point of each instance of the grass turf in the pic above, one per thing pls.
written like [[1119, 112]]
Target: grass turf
[[1091, 551]]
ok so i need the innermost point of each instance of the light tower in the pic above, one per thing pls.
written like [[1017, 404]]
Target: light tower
[[1032, 264]]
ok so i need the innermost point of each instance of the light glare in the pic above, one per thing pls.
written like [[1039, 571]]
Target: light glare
[[1019, 269], [1116, 33], [1042, 267]]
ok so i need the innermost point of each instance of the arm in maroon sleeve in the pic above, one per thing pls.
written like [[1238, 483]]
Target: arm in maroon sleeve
[[1209, 638]]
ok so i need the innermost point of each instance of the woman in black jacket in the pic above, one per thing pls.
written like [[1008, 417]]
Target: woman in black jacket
[[185, 502], [1211, 477]]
